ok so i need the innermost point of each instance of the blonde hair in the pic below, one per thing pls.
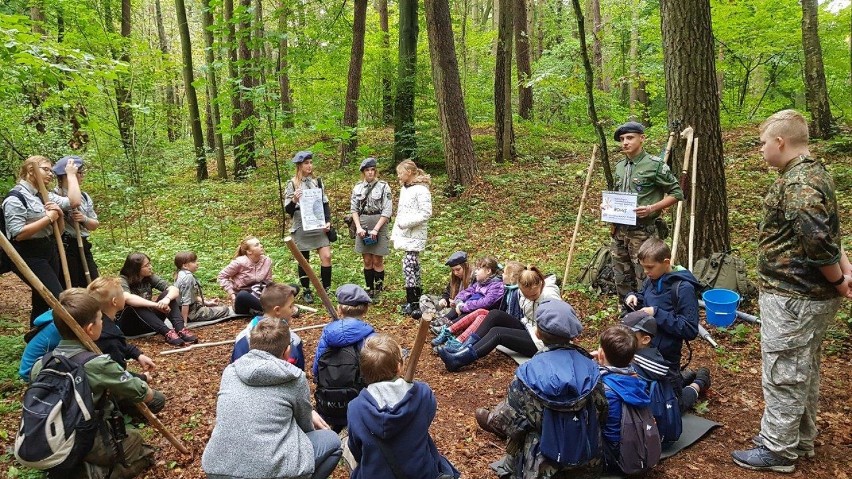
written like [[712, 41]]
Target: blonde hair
[[787, 124], [513, 271], [82, 306], [531, 276], [243, 246], [105, 288], [418, 176], [380, 358], [29, 166]]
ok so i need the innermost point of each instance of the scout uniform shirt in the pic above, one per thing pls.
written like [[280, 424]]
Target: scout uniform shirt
[[650, 178]]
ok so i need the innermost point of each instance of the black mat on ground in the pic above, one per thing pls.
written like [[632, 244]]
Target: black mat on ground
[[199, 324]]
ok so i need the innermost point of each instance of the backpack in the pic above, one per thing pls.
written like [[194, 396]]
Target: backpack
[[6, 264], [338, 382], [665, 408], [724, 270], [59, 421], [598, 274], [640, 447], [571, 437]]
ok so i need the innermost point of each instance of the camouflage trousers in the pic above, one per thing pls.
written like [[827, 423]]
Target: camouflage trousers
[[791, 335], [628, 273]]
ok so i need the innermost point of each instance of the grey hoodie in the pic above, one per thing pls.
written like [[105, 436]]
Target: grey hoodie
[[262, 413]]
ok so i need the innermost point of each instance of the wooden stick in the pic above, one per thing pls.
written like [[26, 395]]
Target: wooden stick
[[294, 250], [227, 341], [688, 134], [307, 308], [82, 249], [579, 215], [60, 312], [57, 233], [668, 149], [419, 341], [693, 194]]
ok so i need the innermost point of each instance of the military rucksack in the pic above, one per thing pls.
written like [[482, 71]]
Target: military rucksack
[[338, 382], [598, 274], [724, 270]]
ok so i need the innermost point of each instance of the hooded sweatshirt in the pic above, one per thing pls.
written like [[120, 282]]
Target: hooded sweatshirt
[[339, 334], [484, 295], [42, 343], [262, 414], [621, 387], [398, 414], [529, 307], [676, 323]]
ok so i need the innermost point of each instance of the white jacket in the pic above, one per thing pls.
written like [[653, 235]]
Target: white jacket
[[550, 291], [412, 215]]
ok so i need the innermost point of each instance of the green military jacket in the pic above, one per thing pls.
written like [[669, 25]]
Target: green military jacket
[[649, 177], [800, 232]]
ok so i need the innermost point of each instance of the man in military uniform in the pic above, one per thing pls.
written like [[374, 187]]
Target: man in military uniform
[[804, 275], [657, 188]]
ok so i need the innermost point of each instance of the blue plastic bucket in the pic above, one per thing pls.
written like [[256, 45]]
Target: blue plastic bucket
[[721, 306]]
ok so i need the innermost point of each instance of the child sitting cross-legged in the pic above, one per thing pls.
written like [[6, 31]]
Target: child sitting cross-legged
[[336, 368], [193, 306], [277, 302], [389, 420], [265, 427]]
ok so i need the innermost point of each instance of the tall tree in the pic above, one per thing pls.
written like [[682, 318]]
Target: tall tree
[[503, 128], [213, 89], [601, 83], [387, 80], [522, 55], [693, 99], [404, 140], [353, 84], [638, 95], [172, 120], [191, 97], [283, 66], [233, 68], [244, 147], [455, 130], [123, 93], [816, 92]]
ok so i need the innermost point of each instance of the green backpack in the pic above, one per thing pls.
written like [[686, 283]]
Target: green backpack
[[724, 270], [598, 274]]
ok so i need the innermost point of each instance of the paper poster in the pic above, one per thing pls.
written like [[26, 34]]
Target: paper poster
[[618, 207], [310, 206]]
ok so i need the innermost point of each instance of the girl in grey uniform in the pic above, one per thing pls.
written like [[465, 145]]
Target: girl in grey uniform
[[371, 208], [85, 216], [29, 224], [315, 239]]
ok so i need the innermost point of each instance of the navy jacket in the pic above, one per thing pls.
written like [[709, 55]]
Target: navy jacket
[[339, 334]]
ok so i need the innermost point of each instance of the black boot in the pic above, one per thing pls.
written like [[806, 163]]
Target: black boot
[[410, 302], [457, 360]]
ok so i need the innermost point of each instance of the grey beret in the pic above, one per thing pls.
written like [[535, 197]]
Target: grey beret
[[59, 167], [368, 163], [457, 258], [558, 318], [302, 156], [640, 321], [352, 295], [629, 127]]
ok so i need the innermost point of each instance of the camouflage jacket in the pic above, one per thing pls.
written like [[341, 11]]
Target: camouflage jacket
[[800, 232], [649, 177]]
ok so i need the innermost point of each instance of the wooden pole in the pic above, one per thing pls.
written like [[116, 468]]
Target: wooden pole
[[227, 341], [692, 196], [60, 312], [668, 149], [82, 249], [57, 233], [579, 216], [419, 341], [688, 134], [294, 250]]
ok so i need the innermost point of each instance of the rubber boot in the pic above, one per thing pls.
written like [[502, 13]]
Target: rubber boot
[[461, 358], [415, 305], [411, 301]]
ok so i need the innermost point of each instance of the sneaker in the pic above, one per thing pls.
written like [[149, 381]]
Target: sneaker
[[444, 335], [173, 338], [688, 376], [307, 297], [453, 345], [762, 459], [187, 336], [806, 453], [702, 378]]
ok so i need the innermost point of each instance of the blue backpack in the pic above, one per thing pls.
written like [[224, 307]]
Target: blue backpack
[[666, 409]]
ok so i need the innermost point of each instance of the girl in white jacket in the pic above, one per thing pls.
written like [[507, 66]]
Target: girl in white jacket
[[409, 230]]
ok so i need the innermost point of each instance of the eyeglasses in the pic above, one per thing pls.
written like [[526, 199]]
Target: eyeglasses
[[46, 169]]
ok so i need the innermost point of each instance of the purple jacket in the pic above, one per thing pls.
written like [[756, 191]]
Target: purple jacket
[[485, 295]]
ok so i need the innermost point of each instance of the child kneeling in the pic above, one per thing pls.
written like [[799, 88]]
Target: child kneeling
[[389, 420]]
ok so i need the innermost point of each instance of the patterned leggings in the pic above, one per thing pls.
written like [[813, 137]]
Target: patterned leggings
[[468, 324], [411, 269]]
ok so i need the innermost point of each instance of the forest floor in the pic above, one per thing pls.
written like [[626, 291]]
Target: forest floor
[[533, 224]]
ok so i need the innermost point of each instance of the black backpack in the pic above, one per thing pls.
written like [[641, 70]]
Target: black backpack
[[6, 264], [338, 382], [598, 274], [640, 446], [59, 420]]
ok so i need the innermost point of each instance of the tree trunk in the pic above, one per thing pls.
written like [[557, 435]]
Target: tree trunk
[[816, 92], [522, 47], [353, 84], [455, 131], [386, 67], [601, 81], [191, 98], [233, 70], [123, 94], [244, 148], [172, 120], [693, 99], [503, 128], [284, 68], [405, 142], [633, 81], [213, 90], [590, 93]]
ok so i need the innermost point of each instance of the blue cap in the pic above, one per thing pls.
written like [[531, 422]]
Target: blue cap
[[457, 258], [558, 318], [302, 156], [368, 163], [59, 167], [629, 127], [640, 321], [352, 295]]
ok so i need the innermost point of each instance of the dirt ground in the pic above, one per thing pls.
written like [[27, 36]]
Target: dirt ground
[[191, 380]]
